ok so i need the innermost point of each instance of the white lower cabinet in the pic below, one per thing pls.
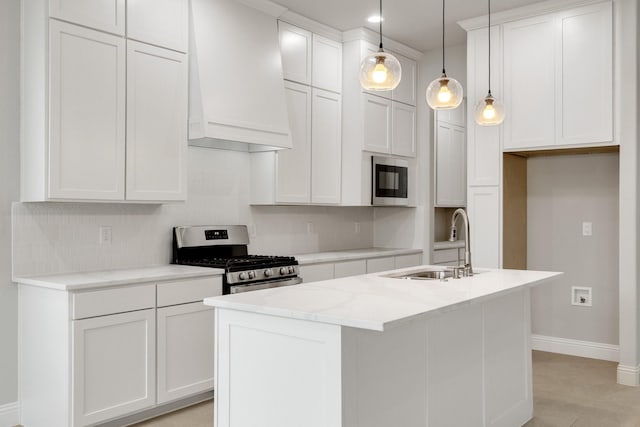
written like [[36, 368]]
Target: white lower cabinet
[[316, 272], [113, 366], [349, 268], [185, 360], [338, 269], [375, 265], [406, 261]]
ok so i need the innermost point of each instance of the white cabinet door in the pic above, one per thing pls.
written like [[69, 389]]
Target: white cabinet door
[[486, 226], [529, 82], [87, 113], [406, 261], [584, 65], [450, 165], [456, 116], [350, 268], [403, 125], [327, 64], [485, 148], [156, 123], [377, 124], [316, 272], [406, 91], [326, 147], [105, 15], [293, 168], [295, 47], [375, 265], [113, 366], [185, 360], [159, 22]]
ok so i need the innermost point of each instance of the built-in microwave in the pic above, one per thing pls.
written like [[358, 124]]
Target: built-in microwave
[[389, 181]]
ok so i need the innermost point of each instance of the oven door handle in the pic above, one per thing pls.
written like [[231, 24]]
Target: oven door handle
[[236, 289]]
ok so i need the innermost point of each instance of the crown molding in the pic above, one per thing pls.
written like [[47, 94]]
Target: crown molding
[[266, 6], [373, 37], [310, 25], [529, 11]]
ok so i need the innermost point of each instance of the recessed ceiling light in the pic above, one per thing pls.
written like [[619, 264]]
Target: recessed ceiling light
[[374, 19]]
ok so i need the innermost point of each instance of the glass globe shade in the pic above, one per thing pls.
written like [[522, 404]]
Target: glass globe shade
[[489, 112], [380, 71], [444, 93]]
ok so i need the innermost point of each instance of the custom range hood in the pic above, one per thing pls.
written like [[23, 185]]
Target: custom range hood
[[237, 99]]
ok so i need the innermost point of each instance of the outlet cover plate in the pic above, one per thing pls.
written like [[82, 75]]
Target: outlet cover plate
[[581, 296]]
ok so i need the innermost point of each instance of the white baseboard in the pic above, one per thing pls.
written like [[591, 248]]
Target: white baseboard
[[9, 414], [592, 350], [629, 375]]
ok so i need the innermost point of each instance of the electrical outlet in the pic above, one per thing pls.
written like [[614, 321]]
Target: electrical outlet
[[310, 228], [357, 227], [587, 228], [252, 231], [105, 236], [581, 296]]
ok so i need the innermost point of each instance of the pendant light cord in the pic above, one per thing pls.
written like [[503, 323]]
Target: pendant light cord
[[380, 24], [489, 28], [443, 72]]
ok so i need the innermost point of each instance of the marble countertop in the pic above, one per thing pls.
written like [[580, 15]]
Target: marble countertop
[[376, 302], [445, 244], [352, 254], [106, 278]]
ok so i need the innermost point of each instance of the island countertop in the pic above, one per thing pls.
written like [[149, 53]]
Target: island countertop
[[376, 302]]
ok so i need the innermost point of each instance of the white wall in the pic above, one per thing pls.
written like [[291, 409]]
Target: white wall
[[564, 191], [9, 185], [63, 237], [401, 227]]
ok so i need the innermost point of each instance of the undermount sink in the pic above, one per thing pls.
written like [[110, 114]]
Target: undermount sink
[[430, 273]]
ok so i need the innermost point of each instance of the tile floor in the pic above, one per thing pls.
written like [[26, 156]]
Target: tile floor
[[568, 392]]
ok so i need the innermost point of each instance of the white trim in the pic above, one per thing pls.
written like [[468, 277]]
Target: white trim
[[10, 414], [528, 11], [592, 350], [629, 375], [266, 6], [310, 25]]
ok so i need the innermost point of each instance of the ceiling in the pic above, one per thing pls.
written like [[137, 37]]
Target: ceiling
[[416, 23]]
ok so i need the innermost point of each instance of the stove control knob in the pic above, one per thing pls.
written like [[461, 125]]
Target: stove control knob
[[252, 275], [291, 270], [284, 271], [242, 276], [268, 272]]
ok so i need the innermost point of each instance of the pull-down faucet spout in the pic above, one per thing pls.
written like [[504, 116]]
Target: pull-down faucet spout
[[468, 271]]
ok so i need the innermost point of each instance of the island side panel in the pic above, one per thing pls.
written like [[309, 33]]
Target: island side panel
[[276, 372], [507, 355]]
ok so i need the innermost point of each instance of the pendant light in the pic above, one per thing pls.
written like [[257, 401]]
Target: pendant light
[[380, 71], [444, 93], [489, 111]]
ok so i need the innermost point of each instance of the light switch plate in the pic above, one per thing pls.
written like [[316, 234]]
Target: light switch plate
[[587, 228]]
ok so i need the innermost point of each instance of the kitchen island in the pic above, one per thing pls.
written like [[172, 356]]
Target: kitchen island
[[377, 351]]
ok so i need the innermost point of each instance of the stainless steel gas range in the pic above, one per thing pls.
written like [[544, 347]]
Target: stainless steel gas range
[[225, 247]]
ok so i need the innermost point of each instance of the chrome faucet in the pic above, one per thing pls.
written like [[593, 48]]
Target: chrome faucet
[[467, 270]]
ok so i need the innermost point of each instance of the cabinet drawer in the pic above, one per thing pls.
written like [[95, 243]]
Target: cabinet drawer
[[111, 301], [445, 255], [350, 268], [375, 265], [191, 290], [405, 261], [317, 272]]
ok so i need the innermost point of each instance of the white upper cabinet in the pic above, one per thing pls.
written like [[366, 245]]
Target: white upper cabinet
[[377, 124], [326, 148], [327, 64], [403, 127], [295, 47], [585, 71], [87, 118], [162, 23], [559, 79], [450, 158], [406, 91], [105, 15], [529, 82], [293, 167], [102, 123], [156, 123]]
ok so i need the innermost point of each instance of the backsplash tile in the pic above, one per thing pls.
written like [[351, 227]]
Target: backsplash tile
[[53, 238]]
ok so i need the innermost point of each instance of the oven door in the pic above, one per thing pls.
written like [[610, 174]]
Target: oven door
[[236, 289], [390, 181]]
